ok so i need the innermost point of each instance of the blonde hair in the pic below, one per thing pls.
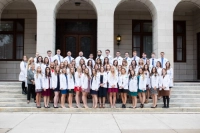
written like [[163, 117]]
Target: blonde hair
[[113, 74], [29, 62], [37, 73], [87, 74], [143, 77]]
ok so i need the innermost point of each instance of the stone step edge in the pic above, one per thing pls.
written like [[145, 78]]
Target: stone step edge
[[98, 110]]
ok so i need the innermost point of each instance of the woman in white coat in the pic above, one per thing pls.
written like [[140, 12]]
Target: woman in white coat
[[154, 77], [85, 80], [164, 87], [78, 83], [63, 86], [71, 85], [133, 88], [38, 85], [147, 75], [95, 82], [23, 74], [159, 70], [56, 85], [102, 93], [141, 86], [123, 86], [170, 73], [47, 86], [112, 86]]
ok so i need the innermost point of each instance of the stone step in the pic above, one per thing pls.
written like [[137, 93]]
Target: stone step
[[32, 104], [187, 84]]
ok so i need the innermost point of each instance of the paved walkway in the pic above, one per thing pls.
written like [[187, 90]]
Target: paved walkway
[[98, 123]]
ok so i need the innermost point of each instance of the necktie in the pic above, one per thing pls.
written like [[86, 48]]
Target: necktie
[[59, 58], [134, 58], [69, 59], [152, 62], [162, 62], [126, 59], [50, 59]]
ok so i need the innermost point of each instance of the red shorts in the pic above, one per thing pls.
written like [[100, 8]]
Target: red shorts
[[77, 88]]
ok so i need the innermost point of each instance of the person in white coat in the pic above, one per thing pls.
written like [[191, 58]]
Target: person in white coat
[[58, 57], [147, 75], [79, 58], [47, 86], [141, 86], [107, 51], [69, 57], [118, 58], [78, 85], [162, 60], [71, 85], [39, 62], [45, 64], [153, 60], [85, 80], [102, 93], [159, 70], [95, 82], [91, 59], [56, 85], [100, 56], [38, 77], [135, 57], [164, 87], [127, 58], [112, 86], [133, 88], [23, 74], [123, 86], [154, 77], [170, 73], [63, 86]]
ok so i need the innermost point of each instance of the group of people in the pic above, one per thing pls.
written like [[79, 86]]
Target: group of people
[[59, 80]]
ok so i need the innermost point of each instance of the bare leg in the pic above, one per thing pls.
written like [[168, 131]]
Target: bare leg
[[63, 100], [78, 99], [70, 100], [45, 101], [125, 97], [114, 98], [111, 101]]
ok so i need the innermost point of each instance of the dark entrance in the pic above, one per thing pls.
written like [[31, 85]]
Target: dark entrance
[[198, 57], [76, 35]]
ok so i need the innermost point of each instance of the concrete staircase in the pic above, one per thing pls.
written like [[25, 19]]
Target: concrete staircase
[[185, 97]]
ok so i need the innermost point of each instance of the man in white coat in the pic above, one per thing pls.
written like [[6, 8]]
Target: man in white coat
[[58, 56], [144, 57], [68, 58], [127, 58], [135, 57], [163, 60], [109, 56], [49, 56], [118, 58], [100, 56], [153, 60], [36, 56], [80, 57]]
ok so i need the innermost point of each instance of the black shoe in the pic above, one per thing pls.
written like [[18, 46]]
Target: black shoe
[[167, 107], [164, 107], [38, 106], [150, 97], [124, 105], [54, 106]]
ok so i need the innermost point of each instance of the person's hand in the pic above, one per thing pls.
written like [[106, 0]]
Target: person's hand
[[44, 89], [53, 88], [154, 88]]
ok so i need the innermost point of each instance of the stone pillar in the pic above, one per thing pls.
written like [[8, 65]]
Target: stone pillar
[[45, 26], [163, 29]]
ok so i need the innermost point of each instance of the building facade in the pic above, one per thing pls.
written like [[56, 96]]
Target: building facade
[[171, 26]]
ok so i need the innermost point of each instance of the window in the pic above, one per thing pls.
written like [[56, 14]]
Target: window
[[11, 39], [179, 41], [142, 37]]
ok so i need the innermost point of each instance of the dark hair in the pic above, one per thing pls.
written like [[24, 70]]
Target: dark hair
[[23, 57], [48, 51], [91, 63], [166, 65], [108, 50], [49, 75], [38, 59], [99, 63], [130, 76], [156, 73], [99, 51], [159, 63], [48, 60], [104, 61]]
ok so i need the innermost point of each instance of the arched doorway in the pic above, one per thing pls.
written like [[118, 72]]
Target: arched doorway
[[76, 28], [186, 41], [133, 20], [17, 35]]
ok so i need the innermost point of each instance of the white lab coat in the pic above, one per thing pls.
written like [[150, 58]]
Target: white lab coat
[[38, 81], [63, 82], [164, 82], [155, 61], [78, 79], [164, 62], [145, 60], [78, 60], [95, 82], [119, 59], [136, 58], [171, 75], [110, 59], [54, 80], [112, 80], [105, 79], [39, 64], [128, 60], [93, 62], [159, 70], [123, 81], [23, 72], [84, 81], [56, 57], [67, 59], [142, 83], [133, 84], [50, 59], [101, 58], [147, 78], [154, 81], [45, 82], [71, 81]]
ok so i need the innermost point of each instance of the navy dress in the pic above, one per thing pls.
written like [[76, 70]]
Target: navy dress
[[102, 90], [58, 83]]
